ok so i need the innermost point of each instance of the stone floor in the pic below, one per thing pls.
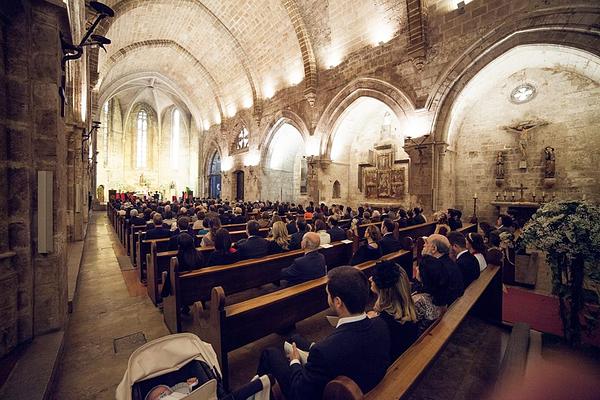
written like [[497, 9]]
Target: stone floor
[[109, 304]]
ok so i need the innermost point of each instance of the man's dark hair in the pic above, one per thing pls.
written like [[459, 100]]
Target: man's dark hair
[[333, 221], [183, 223], [389, 225], [351, 286], [253, 228], [301, 225], [507, 220], [457, 238]]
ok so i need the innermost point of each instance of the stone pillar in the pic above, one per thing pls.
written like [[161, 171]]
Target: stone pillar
[[312, 179], [420, 172]]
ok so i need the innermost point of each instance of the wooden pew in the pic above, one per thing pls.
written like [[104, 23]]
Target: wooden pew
[[157, 263], [135, 232], [236, 325], [482, 298], [239, 235], [190, 287], [143, 248]]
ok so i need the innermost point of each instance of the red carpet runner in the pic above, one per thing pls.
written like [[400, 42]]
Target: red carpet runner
[[537, 310]]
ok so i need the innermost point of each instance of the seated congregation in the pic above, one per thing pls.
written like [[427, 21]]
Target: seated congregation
[[382, 305]]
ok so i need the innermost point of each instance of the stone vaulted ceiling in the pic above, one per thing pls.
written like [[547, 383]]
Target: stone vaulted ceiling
[[226, 55]]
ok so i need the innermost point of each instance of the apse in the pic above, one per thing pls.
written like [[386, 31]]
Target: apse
[[366, 124], [531, 101], [284, 164]]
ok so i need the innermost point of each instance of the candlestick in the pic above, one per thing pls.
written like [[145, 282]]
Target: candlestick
[[497, 194], [513, 196], [475, 195], [504, 195]]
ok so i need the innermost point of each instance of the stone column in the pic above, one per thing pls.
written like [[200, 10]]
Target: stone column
[[420, 172]]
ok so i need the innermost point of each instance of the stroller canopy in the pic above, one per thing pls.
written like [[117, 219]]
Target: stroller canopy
[[164, 355]]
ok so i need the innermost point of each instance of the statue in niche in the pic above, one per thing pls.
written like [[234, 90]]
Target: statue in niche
[[500, 165], [142, 179], [549, 162], [100, 194]]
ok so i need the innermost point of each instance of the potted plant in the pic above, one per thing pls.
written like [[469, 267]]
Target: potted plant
[[569, 233]]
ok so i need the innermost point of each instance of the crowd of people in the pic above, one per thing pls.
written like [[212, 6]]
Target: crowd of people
[[366, 339]]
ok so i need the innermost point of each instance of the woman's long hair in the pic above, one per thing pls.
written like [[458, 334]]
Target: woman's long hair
[[397, 300], [280, 235], [187, 255], [222, 240]]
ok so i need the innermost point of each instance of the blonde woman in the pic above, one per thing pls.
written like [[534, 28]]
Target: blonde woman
[[280, 240], [394, 305]]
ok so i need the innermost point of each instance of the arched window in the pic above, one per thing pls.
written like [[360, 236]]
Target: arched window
[[142, 138], [214, 176], [242, 139], [336, 190], [175, 135], [104, 127]]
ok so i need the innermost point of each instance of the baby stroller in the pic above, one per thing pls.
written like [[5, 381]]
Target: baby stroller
[[181, 366]]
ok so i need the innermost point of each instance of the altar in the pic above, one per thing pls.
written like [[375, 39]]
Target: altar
[[520, 210]]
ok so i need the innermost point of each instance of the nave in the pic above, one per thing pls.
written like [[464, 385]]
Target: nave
[[112, 304]]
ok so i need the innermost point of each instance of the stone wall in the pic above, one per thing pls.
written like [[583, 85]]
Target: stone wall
[[34, 137]]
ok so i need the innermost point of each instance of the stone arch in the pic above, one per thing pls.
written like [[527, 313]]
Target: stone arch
[[388, 94], [185, 54], [278, 120], [566, 26]]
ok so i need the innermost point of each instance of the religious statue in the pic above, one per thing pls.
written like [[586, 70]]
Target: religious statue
[[500, 165], [142, 179], [549, 162], [522, 129], [100, 194]]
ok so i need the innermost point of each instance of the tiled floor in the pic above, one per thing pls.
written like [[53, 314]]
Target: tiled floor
[[109, 304]]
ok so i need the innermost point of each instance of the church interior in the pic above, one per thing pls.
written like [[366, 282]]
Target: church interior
[[239, 119]]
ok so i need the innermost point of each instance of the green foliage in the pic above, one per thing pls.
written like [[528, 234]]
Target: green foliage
[[569, 233]]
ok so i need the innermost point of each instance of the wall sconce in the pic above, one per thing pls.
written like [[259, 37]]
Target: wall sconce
[[74, 52], [86, 137]]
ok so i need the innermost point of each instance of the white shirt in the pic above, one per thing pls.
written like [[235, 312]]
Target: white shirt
[[347, 320], [482, 262]]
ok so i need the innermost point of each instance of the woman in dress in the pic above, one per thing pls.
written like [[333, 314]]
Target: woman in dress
[[280, 239], [394, 305], [431, 297], [476, 246], [223, 253], [369, 250], [214, 224]]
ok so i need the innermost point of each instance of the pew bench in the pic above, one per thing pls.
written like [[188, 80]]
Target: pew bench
[[239, 235], [483, 298], [195, 286], [236, 325]]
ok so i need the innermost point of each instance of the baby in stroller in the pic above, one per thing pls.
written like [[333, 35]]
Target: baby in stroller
[[181, 366]]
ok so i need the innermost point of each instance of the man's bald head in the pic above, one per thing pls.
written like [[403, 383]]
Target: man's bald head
[[437, 245], [311, 241]]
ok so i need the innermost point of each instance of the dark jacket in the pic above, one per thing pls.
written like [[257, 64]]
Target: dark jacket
[[296, 240], [456, 286], [358, 350], [137, 221], [337, 234], [469, 267], [173, 241], [388, 244], [158, 233], [275, 248], [310, 266], [291, 228], [402, 336], [365, 253], [238, 219], [222, 258], [253, 247]]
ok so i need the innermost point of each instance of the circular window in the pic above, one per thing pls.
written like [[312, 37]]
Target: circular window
[[522, 93]]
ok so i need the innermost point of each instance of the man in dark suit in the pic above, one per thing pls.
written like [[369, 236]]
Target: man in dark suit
[[183, 226], [388, 243], [467, 263], [296, 238], [254, 246], [336, 233], [438, 246], [358, 348], [135, 219], [291, 224], [159, 231], [238, 218], [310, 266]]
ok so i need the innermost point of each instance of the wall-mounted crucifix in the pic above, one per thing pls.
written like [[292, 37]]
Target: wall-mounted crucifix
[[522, 130]]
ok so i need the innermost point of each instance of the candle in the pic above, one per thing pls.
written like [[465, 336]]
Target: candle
[[475, 196], [513, 194]]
